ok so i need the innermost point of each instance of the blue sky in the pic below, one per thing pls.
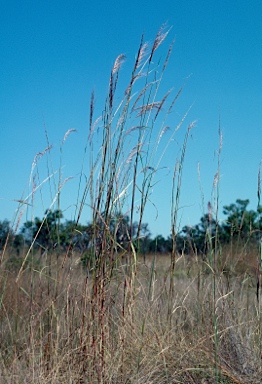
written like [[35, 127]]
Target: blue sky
[[53, 54]]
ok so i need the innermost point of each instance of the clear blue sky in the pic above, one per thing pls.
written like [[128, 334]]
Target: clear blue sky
[[54, 53]]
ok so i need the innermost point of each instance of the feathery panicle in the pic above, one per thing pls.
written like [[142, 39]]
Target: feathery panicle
[[92, 104], [118, 63], [132, 82], [182, 120], [68, 133], [135, 76], [210, 215], [177, 96], [216, 179], [19, 220], [34, 189], [160, 37], [120, 121], [259, 183], [65, 181], [111, 91], [162, 102], [191, 125], [148, 107], [142, 92], [114, 78], [135, 128], [174, 100], [93, 127], [168, 54], [37, 157], [133, 152], [139, 54], [142, 52], [198, 170], [163, 131], [220, 140]]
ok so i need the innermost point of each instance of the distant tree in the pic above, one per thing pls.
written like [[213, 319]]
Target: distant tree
[[76, 235], [182, 246], [46, 231], [240, 222], [202, 236], [160, 245], [5, 232], [9, 238], [113, 229], [142, 243], [120, 229], [18, 242], [196, 237]]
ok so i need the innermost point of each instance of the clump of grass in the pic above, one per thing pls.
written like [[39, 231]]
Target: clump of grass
[[114, 318]]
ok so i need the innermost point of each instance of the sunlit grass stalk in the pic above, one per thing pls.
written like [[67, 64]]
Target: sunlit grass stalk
[[215, 252], [259, 262], [148, 96], [176, 190]]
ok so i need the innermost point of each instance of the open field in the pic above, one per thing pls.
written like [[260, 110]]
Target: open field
[[60, 324]]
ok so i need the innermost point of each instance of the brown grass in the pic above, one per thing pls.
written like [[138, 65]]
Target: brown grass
[[50, 336], [166, 319]]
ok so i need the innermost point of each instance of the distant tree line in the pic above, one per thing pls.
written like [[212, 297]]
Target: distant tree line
[[51, 232]]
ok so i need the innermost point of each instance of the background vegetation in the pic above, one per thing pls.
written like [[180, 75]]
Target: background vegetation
[[107, 303], [240, 225]]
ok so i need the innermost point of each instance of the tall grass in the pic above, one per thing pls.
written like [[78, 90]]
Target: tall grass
[[171, 319]]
